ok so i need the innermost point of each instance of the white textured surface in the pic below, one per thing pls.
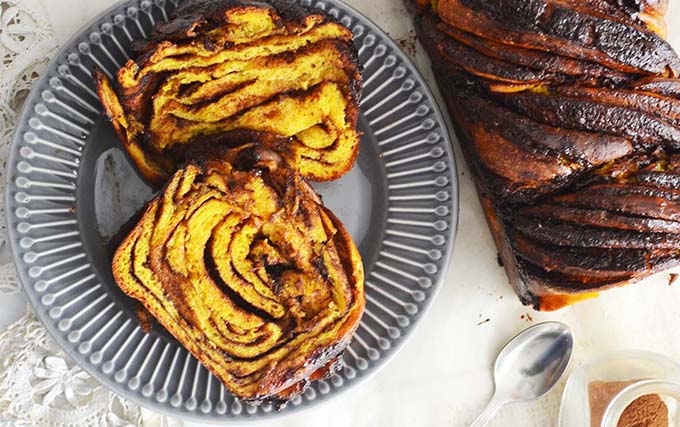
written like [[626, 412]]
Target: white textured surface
[[443, 375]]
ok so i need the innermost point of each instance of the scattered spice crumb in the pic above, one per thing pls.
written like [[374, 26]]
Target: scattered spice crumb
[[487, 320], [499, 260], [408, 43], [672, 277], [527, 317]]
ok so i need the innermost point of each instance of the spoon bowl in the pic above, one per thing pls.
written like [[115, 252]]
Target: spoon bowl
[[529, 365], [532, 362]]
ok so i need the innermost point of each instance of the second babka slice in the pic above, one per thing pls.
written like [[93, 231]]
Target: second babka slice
[[224, 67]]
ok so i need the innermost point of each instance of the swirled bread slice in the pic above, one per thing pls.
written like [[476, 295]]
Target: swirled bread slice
[[218, 67], [239, 260]]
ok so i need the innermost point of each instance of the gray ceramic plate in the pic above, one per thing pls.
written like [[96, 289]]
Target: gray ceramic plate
[[70, 188]]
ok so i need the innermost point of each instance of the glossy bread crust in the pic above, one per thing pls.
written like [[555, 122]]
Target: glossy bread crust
[[569, 116]]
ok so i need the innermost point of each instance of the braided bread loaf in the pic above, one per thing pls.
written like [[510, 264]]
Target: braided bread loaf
[[568, 112]]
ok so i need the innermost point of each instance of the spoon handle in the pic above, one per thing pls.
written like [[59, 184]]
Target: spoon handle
[[483, 419]]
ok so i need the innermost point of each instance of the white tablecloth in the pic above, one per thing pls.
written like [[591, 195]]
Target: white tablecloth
[[442, 377]]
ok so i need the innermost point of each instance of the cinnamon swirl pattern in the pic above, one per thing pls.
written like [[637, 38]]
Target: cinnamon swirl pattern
[[239, 260], [219, 67]]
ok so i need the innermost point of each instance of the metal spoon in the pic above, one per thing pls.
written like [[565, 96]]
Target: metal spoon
[[529, 366]]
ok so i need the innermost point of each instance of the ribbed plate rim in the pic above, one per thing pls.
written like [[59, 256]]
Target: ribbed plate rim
[[106, 379]]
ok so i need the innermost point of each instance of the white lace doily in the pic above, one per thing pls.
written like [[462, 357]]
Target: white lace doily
[[39, 385]]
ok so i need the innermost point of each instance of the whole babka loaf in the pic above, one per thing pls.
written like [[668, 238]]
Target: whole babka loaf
[[239, 260], [568, 112], [225, 66]]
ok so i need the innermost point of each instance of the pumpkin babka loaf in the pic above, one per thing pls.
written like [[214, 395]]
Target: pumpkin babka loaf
[[222, 66], [239, 260], [568, 112]]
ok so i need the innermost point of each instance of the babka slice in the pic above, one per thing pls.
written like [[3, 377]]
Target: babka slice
[[239, 260], [218, 67], [569, 117]]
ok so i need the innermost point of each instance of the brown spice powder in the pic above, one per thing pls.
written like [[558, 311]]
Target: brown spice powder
[[646, 411]]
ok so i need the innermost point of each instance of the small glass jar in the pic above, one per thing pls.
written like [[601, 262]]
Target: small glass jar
[[643, 373]]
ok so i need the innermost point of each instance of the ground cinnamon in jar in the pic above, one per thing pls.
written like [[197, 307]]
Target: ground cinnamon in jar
[[646, 411]]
